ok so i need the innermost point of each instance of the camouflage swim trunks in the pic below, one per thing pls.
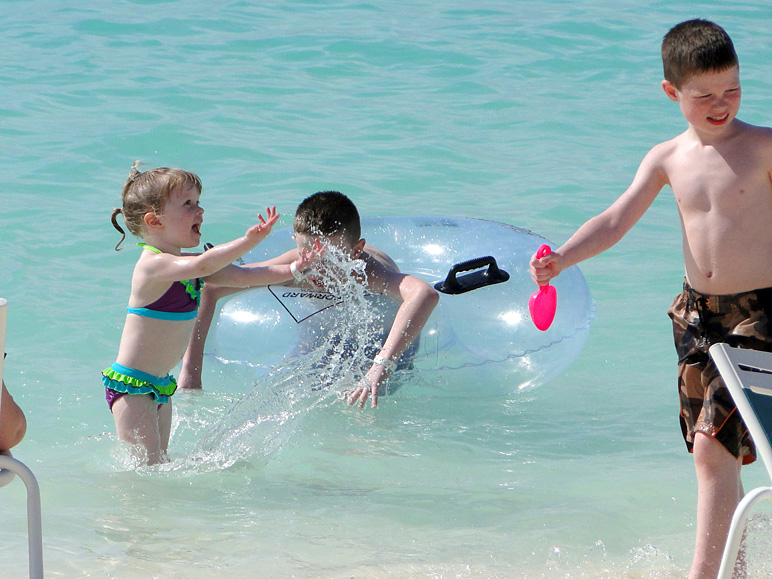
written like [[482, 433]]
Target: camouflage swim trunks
[[699, 321]]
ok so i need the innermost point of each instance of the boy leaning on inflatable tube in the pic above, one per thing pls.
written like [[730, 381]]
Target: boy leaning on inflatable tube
[[329, 218]]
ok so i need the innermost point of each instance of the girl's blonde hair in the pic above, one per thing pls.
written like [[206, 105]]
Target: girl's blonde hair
[[148, 192]]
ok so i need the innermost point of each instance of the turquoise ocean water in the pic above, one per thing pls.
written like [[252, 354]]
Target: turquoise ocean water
[[535, 114]]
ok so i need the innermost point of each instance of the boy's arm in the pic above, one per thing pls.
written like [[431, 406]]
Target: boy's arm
[[418, 301], [192, 361], [604, 230]]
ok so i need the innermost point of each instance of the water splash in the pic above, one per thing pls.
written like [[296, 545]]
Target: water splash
[[330, 360]]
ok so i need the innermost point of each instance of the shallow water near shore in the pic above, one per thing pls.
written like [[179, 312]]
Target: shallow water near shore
[[532, 114]]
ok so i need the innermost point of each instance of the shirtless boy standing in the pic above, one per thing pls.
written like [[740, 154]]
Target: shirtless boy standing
[[719, 170]]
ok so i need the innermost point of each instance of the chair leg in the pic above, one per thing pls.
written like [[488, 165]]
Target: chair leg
[[737, 527], [34, 518]]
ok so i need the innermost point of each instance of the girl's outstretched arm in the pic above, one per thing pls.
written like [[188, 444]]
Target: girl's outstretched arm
[[166, 267], [275, 270]]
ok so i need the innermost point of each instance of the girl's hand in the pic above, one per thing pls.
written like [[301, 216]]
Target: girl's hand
[[309, 256], [305, 260], [262, 229]]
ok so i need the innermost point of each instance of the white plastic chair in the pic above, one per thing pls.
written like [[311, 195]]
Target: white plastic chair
[[748, 375], [11, 468]]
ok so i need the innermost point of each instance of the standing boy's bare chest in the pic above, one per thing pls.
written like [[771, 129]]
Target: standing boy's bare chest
[[707, 179]]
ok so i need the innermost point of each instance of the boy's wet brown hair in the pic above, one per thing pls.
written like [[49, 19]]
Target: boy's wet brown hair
[[327, 213], [147, 192], [695, 47]]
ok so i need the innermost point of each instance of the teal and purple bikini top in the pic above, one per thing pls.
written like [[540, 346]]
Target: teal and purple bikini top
[[180, 302]]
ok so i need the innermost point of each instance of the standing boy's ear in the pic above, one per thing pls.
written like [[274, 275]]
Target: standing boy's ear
[[359, 247], [670, 90], [152, 221]]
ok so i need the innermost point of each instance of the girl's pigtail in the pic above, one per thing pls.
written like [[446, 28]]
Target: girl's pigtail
[[133, 174], [115, 214]]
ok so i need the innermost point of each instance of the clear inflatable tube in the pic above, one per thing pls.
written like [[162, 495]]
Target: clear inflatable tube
[[477, 342]]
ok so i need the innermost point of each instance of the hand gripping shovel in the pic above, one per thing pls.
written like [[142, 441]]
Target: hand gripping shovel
[[544, 301]]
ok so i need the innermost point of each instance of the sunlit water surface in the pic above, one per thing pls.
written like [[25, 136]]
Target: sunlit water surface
[[533, 114]]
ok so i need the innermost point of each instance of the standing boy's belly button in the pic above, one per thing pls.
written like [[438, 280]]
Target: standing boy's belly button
[[712, 285], [728, 268]]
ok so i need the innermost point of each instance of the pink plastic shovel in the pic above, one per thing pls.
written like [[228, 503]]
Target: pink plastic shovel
[[544, 301]]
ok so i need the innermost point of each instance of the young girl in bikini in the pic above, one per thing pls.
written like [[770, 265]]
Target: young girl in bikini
[[161, 206]]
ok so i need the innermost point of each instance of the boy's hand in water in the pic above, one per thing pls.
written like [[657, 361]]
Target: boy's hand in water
[[262, 229], [361, 393], [368, 386]]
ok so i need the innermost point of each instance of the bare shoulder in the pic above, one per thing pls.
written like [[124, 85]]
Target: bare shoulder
[[756, 136], [660, 157], [379, 259], [752, 145], [755, 130], [666, 150], [383, 273], [654, 171], [152, 265]]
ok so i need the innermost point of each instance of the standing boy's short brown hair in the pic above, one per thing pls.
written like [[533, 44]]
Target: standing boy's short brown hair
[[694, 47]]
